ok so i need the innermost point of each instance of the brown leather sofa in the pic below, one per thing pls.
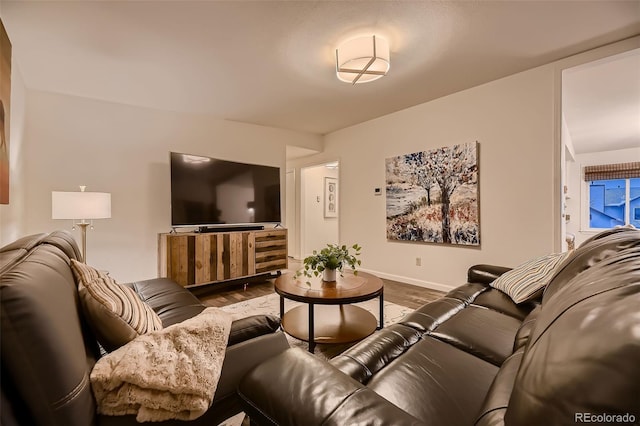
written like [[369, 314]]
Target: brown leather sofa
[[48, 350], [474, 357]]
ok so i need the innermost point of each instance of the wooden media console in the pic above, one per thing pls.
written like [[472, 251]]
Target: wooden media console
[[193, 259]]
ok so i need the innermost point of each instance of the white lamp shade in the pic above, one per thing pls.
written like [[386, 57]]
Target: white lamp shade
[[353, 56], [80, 205]]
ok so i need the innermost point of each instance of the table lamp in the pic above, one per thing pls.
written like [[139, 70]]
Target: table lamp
[[82, 207]]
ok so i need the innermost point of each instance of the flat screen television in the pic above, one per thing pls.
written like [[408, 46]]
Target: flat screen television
[[208, 192]]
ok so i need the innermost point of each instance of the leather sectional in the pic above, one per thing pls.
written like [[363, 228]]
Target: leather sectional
[[48, 349], [474, 357]]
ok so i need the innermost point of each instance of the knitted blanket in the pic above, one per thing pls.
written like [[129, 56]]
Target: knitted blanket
[[167, 374]]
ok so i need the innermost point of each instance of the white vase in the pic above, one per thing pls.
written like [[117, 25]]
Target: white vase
[[329, 275]]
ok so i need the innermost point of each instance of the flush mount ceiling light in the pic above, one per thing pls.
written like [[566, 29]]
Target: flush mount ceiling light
[[362, 59]]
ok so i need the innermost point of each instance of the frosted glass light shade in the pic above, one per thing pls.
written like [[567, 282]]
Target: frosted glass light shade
[[80, 205], [362, 59]]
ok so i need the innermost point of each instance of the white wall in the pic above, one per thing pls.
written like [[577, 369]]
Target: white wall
[[293, 241], [125, 151], [513, 121], [517, 122], [12, 224], [317, 230], [567, 156], [70, 141], [578, 192]]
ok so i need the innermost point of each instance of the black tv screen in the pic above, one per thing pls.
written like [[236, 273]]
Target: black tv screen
[[208, 191]]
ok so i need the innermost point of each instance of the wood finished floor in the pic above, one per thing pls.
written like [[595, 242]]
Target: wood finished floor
[[395, 292]]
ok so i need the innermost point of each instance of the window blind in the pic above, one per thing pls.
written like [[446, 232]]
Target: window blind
[[612, 171]]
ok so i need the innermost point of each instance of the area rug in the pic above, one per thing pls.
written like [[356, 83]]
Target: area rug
[[270, 304]]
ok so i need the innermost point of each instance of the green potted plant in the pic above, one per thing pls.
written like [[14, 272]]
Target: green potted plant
[[329, 260]]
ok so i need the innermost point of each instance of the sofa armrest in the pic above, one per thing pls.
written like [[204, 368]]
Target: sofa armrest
[[295, 387], [241, 358], [485, 274], [247, 328]]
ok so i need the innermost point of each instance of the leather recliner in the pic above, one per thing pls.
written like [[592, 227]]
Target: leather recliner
[[48, 349]]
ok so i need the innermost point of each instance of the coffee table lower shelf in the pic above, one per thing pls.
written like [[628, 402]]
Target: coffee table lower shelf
[[331, 323]]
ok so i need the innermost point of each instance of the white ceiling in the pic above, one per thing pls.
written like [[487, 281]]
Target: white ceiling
[[601, 103], [272, 62]]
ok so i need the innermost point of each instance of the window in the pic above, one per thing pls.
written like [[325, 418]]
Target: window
[[613, 195], [614, 202]]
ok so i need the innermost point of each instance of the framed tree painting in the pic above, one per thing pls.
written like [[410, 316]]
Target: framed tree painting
[[330, 197], [5, 93], [432, 196]]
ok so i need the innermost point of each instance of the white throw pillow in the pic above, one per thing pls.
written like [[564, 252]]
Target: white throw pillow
[[524, 281]]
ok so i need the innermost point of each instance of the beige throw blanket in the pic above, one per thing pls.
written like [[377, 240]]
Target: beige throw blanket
[[167, 374]]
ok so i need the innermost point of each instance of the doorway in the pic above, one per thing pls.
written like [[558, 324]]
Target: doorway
[[319, 207], [600, 107]]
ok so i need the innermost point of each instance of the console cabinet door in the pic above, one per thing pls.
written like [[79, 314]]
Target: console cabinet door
[[271, 250], [224, 256], [180, 258]]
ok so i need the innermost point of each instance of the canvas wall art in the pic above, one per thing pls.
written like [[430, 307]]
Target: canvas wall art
[[432, 196], [5, 93]]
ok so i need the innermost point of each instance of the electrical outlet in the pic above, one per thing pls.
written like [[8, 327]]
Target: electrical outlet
[[418, 261]]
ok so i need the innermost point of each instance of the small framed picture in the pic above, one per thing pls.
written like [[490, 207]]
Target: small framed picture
[[330, 197]]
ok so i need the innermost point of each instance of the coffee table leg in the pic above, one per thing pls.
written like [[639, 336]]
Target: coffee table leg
[[312, 343], [381, 311], [281, 308]]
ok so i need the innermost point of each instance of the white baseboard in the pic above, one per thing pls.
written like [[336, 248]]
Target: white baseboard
[[407, 280]]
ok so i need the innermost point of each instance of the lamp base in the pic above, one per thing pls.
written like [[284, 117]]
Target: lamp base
[[83, 232]]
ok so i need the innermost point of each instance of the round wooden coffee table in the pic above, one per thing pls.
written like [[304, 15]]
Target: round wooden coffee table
[[330, 324]]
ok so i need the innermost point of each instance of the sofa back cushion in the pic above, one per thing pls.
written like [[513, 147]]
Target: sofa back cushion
[[46, 351], [608, 232], [599, 247], [582, 355]]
